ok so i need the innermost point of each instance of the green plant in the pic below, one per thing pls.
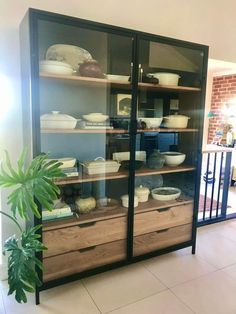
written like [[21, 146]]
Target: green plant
[[32, 185]]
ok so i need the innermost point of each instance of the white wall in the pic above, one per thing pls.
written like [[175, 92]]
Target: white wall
[[209, 22]]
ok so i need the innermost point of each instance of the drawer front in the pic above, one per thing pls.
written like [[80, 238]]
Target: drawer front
[[83, 259], [162, 239], [69, 239], [162, 218]]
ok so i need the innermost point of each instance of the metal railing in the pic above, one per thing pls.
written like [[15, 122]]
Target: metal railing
[[214, 186]]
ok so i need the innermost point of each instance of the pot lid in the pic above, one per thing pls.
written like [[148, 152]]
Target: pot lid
[[141, 190]]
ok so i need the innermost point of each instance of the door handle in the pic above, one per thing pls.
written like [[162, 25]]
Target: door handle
[[87, 224], [163, 230], [87, 249], [160, 210]]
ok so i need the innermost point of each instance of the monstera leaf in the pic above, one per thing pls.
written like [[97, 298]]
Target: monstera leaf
[[33, 184], [22, 276]]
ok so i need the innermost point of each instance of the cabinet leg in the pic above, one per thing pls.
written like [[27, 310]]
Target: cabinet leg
[[194, 248], [37, 297]]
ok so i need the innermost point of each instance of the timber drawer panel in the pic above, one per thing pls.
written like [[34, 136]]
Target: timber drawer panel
[[163, 218], [83, 259], [162, 239], [63, 240]]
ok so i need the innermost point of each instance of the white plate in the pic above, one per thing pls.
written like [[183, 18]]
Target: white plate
[[68, 53]]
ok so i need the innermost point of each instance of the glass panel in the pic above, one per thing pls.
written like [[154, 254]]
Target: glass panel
[[85, 108], [159, 57], [169, 120]]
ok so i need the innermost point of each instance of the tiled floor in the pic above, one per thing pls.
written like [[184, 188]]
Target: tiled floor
[[175, 283]]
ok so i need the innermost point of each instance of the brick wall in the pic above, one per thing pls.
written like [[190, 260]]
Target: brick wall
[[223, 90]]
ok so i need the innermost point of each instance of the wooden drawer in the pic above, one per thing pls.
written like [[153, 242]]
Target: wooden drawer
[[85, 235], [163, 218], [83, 259], [162, 239]]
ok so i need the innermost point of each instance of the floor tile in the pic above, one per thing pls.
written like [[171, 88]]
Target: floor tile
[[71, 298], [216, 249], [230, 270], [164, 302], [173, 269], [2, 309], [228, 230], [122, 286], [211, 294]]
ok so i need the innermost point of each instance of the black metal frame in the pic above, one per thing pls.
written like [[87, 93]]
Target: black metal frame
[[32, 18]]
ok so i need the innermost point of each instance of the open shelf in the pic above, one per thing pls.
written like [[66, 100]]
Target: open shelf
[[123, 174], [72, 79], [120, 211]]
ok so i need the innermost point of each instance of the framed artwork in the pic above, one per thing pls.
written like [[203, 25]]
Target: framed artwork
[[123, 105]]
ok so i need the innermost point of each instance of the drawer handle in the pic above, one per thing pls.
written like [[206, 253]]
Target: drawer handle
[[87, 249], [87, 224], [163, 230], [160, 210]]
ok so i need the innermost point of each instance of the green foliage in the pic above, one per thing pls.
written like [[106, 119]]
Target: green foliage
[[22, 276], [32, 184]]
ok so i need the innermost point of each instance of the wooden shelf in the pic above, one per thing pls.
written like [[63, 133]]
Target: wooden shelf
[[83, 131], [157, 87], [72, 79], [120, 211], [115, 131], [89, 81], [123, 174], [166, 130]]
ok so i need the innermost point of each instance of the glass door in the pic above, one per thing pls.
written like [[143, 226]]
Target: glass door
[[169, 118], [85, 107]]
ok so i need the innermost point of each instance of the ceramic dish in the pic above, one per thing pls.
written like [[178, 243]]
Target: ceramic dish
[[100, 166], [95, 117], [66, 162], [139, 155], [125, 200], [112, 77], [152, 122], [173, 159], [176, 121], [73, 55], [165, 78], [142, 193], [56, 120], [55, 67], [165, 193]]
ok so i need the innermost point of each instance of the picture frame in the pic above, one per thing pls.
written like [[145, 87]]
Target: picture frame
[[123, 105]]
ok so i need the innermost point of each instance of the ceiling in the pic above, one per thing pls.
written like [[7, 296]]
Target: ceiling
[[218, 67]]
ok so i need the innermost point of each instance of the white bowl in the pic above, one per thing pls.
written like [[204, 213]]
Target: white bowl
[[166, 78], [176, 121], [55, 67], [95, 117], [66, 162], [152, 122], [175, 193], [56, 120], [174, 159], [112, 77]]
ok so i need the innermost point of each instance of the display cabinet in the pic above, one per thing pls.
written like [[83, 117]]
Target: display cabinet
[[123, 111]]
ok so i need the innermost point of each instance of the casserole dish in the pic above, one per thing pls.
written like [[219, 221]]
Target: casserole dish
[[165, 78], [176, 121], [57, 120], [100, 166]]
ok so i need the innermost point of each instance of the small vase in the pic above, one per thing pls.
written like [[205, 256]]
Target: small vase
[[156, 160]]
